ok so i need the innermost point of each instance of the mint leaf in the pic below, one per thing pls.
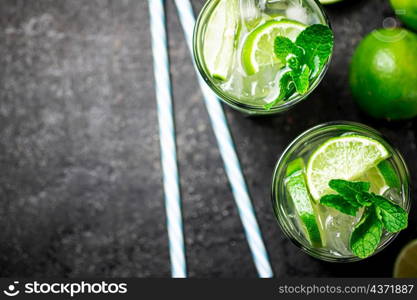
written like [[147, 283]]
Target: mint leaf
[[394, 217], [317, 41], [285, 89], [339, 203], [364, 199], [349, 190], [284, 48], [293, 62], [285, 85], [301, 79], [367, 234], [379, 213]]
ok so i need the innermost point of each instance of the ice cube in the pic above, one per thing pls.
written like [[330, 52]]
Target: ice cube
[[251, 13], [394, 195], [338, 228], [296, 11], [274, 8]]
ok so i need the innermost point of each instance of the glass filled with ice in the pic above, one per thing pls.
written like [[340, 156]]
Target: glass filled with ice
[[262, 56], [341, 192]]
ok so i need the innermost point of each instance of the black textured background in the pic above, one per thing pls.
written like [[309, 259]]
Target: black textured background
[[80, 174]]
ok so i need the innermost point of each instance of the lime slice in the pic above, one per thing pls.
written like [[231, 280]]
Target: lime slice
[[345, 157], [258, 49], [297, 189], [219, 40], [406, 262]]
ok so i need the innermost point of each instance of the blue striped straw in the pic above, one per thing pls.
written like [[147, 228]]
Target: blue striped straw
[[167, 140], [230, 158]]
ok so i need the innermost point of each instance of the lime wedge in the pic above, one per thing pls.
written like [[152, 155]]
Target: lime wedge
[[345, 157], [406, 262], [219, 39], [297, 189], [388, 173], [258, 48], [381, 177], [376, 179]]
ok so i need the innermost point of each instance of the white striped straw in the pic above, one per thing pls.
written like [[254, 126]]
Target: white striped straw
[[167, 140], [230, 158]]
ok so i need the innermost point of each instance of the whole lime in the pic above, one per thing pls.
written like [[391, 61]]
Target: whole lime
[[406, 10], [383, 74], [406, 262]]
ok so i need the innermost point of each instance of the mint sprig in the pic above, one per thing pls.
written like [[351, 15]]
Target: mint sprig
[[305, 59], [350, 190], [317, 42], [379, 213]]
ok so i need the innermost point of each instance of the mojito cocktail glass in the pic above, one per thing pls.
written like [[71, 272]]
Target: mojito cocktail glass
[[234, 44], [353, 154]]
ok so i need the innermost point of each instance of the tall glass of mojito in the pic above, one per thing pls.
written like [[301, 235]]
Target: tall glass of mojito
[[341, 192], [262, 56]]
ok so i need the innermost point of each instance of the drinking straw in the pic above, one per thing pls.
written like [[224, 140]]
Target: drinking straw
[[167, 139], [229, 155]]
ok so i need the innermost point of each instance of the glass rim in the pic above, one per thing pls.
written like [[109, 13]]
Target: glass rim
[[232, 101], [278, 175]]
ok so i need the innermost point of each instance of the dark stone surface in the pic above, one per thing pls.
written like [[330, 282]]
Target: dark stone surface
[[80, 180]]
